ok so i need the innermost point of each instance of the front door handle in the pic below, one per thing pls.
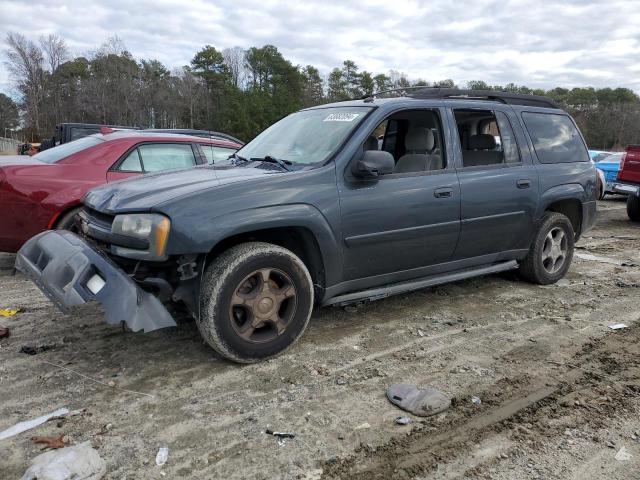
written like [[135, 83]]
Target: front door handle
[[524, 183], [443, 192]]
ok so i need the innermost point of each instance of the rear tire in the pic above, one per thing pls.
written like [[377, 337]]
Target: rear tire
[[633, 208], [551, 251], [255, 302]]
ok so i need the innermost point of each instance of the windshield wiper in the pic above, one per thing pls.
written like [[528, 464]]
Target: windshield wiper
[[278, 161], [236, 157]]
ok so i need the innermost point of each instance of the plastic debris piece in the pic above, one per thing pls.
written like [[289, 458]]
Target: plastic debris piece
[[623, 455], [69, 463], [476, 400], [422, 402], [618, 326], [421, 333], [363, 426], [8, 312], [29, 424], [162, 456], [403, 420], [50, 442], [280, 434], [4, 332]]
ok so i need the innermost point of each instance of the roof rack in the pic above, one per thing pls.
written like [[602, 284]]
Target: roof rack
[[454, 93]]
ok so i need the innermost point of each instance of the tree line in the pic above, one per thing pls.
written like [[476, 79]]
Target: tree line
[[234, 90]]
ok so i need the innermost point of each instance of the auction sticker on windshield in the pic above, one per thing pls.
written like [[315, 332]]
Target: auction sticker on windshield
[[341, 117]]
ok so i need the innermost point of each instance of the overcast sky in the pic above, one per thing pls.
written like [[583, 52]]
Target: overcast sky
[[538, 44]]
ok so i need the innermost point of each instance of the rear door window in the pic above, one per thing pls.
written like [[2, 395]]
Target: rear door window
[[555, 138], [131, 163], [166, 156]]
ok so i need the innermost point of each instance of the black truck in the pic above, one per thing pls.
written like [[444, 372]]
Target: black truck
[[317, 210]]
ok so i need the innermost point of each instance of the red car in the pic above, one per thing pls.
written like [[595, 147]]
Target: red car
[[628, 181], [45, 191]]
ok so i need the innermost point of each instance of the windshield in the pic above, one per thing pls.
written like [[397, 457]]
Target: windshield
[[305, 138], [55, 154]]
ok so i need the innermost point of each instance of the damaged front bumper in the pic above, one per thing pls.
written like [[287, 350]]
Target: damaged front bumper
[[71, 273]]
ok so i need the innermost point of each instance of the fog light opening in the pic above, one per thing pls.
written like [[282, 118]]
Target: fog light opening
[[95, 284]]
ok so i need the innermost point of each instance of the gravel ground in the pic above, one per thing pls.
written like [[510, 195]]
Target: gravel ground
[[560, 391]]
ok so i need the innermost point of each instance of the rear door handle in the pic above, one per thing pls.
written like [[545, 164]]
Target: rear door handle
[[525, 183], [443, 192]]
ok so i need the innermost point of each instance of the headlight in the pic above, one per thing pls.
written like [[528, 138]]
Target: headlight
[[145, 226]]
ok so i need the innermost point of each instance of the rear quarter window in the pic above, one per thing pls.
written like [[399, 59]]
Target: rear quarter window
[[555, 138]]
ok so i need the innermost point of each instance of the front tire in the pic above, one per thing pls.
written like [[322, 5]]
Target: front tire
[[255, 302], [551, 251], [633, 208]]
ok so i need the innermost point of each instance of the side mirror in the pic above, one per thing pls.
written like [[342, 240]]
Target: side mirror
[[373, 164]]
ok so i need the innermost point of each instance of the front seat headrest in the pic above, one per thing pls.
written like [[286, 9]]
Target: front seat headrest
[[482, 141], [419, 139], [371, 143]]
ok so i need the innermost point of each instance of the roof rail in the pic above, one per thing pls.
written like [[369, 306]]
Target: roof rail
[[455, 93]]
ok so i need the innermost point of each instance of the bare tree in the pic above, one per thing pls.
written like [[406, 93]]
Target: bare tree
[[55, 50], [25, 64], [235, 60], [190, 90]]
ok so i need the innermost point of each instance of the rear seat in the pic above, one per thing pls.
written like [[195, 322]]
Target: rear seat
[[482, 151]]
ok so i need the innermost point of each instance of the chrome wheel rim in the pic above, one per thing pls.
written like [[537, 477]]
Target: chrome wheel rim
[[263, 305], [554, 251]]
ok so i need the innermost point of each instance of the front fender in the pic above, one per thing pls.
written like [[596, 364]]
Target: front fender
[[191, 237]]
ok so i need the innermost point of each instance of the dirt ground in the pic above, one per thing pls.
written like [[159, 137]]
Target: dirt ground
[[560, 391]]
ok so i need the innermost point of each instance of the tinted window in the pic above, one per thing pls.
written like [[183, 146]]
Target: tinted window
[[216, 154], [509, 145], [55, 154], [555, 138], [166, 156], [131, 163]]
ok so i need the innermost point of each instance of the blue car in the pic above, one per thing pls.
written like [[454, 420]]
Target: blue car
[[609, 166]]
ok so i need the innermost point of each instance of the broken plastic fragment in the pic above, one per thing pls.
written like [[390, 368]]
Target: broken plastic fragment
[[280, 434], [162, 456], [424, 403], [476, 400], [617, 326], [29, 424], [403, 420], [622, 455], [8, 312]]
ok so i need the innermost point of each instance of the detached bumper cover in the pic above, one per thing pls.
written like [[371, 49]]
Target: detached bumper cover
[[71, 273]]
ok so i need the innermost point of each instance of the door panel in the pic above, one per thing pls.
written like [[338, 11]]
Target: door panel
[[498, 201], [399, 223]]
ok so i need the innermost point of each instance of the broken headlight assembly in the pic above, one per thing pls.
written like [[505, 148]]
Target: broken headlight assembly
[[150, 227]]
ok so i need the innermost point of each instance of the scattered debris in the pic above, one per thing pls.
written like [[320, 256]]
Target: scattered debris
[[50, 442], [8, 312], [363, 426], [69, 463], [623, 455], [403, 420], [341, 381], [618, 326], [280, 434], [623, 284], [424, 403], [162, 456], [98, 381], [35, 349], [563, 282], [4, 332], [421, 333], [29, 424], [476, 400]]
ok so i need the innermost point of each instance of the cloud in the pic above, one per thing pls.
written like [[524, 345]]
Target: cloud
[[538, 44]]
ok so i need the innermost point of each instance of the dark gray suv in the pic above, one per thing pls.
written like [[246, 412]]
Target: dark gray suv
[[334, 204]]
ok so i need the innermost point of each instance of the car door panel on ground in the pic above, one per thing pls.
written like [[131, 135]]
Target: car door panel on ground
[[410, 218], [498, 183]]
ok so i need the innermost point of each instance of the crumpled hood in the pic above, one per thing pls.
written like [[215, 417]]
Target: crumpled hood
[[145, 192]]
